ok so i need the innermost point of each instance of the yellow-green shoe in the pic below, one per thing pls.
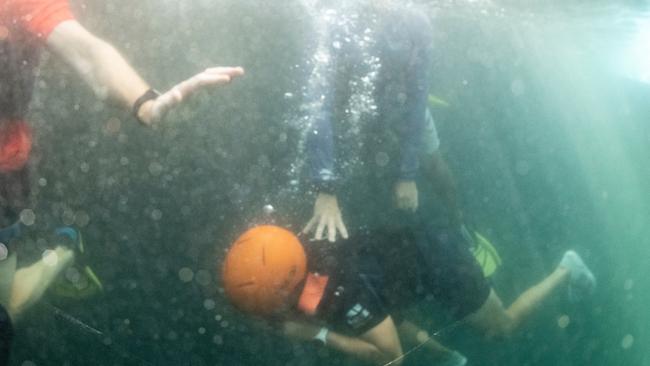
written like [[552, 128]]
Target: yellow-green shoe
[[486, 255], [78, 281], [483, 250]]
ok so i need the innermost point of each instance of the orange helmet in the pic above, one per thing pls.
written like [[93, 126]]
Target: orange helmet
[[263, 268]]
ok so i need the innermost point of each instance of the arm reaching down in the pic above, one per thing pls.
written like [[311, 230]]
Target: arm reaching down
[[380, 345], [327, 215], [111, 76]]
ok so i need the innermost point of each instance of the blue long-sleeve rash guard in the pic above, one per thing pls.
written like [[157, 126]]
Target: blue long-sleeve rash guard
[[403, 46]]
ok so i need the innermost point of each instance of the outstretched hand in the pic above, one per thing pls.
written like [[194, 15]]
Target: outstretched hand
[[211, 77], [327, 215]]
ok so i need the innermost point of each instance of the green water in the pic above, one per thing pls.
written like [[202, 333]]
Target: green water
[[547, 133]]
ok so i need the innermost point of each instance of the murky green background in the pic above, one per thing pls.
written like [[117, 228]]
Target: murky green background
[[547, 134]]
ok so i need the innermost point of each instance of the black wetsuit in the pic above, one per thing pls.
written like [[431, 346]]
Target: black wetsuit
[[393, 259], [387, 271]]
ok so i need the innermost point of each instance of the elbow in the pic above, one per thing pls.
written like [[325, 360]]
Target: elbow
[[90, 64]]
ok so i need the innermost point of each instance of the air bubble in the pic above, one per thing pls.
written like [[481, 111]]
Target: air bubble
[[629, 283], [50, 258], [27, 217], [72, 274], [186, 274], [155, 168], [203, 277], [209, 304], [382, 159], [268, 209], [81, 219], [217, 339], [563, 321], [113, 126], [627, 341], [156, 214]]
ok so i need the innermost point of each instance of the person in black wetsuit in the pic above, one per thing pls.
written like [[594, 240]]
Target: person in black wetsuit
[[356, 294]]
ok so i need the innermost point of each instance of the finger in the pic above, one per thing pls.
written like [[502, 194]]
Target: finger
[[199, 81], [341, 227], [319, 229], [309, 225], [331, 230], [230, 71]]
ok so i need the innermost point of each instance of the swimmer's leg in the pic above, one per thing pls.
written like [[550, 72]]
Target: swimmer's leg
[[7, 272], [30, 283], [496, 321], [412, 336]]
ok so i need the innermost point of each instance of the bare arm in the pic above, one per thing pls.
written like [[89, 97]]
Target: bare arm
[[380, 345], [110, 75]]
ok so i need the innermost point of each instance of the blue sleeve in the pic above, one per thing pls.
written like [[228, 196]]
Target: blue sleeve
[[320, 134], [412, 127], [320, 139]]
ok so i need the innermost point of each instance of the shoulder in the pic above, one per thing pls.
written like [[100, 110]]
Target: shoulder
[[407, 23], [415, 19], [38, 17]]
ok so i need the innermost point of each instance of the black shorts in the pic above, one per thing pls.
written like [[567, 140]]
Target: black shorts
[[418, 263], [14, 195], [350, 305]]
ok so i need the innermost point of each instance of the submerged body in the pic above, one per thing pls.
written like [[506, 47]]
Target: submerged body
[[27, 27], [374, 179]]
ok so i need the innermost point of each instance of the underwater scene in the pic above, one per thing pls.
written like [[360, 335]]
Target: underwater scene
[[324, 182]]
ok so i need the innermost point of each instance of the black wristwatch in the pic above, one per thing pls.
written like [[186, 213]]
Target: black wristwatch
[[150, 94]]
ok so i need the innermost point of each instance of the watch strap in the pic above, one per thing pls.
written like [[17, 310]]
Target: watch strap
[[150, 94]]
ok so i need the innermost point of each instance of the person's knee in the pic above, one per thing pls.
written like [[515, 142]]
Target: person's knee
[[500, 329]]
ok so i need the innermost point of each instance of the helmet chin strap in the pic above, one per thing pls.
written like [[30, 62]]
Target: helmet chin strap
[[312, 293]]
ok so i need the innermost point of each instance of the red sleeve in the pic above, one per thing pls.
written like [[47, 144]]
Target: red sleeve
[[40, 17]]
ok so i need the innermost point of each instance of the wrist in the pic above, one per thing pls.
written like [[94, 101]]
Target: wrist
[[143, 106], [321, 336], [144, 114], [325, 187]]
